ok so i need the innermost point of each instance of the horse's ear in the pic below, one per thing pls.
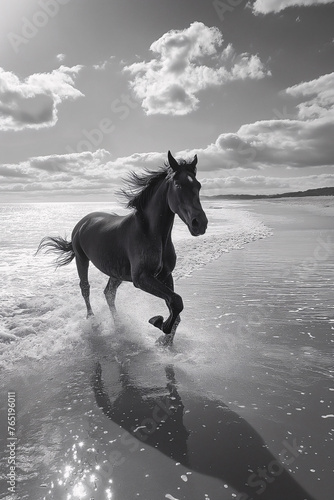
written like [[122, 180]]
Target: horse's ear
[[172, 162], [193, 164]]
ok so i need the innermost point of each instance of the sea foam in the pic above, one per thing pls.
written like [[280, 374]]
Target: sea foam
[[42, 312]]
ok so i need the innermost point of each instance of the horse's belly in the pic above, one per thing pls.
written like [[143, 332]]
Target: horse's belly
[[111, 264]]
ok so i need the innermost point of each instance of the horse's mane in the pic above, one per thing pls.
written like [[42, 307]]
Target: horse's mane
[[140, 187]]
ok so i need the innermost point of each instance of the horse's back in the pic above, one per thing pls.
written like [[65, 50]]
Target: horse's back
[[102, 238], [97, 220]]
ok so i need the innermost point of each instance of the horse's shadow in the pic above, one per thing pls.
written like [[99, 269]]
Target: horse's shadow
[[202, 434]]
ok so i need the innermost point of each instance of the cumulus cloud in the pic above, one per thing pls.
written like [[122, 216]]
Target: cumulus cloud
[[266, 156], [268, 6], [72, 175], [319, 94], [33, 102], [185, 63], [305, 141], [69, 174], [290, 143], [96, 176]]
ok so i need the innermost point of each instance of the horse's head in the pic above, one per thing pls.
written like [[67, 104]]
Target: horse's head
[[183, 195]]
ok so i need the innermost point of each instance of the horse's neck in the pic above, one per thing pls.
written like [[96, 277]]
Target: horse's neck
[[158, 214]]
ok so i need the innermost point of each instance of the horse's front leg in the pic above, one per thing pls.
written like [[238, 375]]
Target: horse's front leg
[[152, 285], [158, 320]]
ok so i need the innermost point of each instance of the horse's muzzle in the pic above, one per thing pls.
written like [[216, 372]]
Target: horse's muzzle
[[198, 225]]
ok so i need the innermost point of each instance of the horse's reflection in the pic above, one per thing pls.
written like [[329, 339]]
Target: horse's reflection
[[202, 434], [153, 416]]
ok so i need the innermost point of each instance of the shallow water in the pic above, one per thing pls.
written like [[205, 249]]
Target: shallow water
[[38, 305], [247, 385], [272, 304]]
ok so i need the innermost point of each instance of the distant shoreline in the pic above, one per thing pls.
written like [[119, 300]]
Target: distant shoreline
[[326, 191]]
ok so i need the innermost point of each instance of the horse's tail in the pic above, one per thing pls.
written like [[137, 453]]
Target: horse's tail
[[59, 246]]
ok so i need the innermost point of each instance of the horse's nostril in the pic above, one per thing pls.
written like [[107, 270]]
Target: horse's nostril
[[195, 223]]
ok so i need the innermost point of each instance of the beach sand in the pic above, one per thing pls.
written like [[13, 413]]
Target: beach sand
[[239, 408]]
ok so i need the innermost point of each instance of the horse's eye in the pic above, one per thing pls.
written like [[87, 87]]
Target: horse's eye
[[178, 186]]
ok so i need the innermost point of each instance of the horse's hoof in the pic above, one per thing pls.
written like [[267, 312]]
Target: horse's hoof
[[90, 315], [165, 340], [157, 321]]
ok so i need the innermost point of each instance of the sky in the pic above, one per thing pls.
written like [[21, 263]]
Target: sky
[[91, 89]]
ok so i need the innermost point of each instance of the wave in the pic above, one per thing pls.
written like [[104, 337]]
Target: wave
[[43, 312]]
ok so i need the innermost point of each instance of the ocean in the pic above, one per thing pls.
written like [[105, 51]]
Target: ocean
[[41, 308], [240, 407]]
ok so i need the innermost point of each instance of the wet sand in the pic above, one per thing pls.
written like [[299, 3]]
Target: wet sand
[[241, 406]]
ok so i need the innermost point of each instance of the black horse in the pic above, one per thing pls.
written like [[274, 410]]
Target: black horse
[[138, 247]]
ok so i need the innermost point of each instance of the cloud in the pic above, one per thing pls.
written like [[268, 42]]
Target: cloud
[[33, 102], [266, 156], [103, 64], [60, 57], [95, 176], [69, 174], [186, 62], [72, 176], [319, 94], [268, 6], [137, 161], [305, 141], [291, 143]]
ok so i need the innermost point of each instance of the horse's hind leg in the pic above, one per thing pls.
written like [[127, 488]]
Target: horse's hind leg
[[110, 294], [82, 266]]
